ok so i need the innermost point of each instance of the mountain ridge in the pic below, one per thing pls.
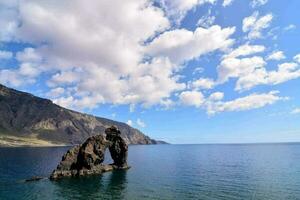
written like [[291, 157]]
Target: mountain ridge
[[25, 115]]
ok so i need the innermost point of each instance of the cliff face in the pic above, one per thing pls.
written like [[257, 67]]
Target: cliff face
[[22, 114]]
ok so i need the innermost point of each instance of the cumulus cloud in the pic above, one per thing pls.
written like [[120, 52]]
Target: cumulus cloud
[[295, 111], [202, 83], [100, 57], [297, 58], [177, 9], [8, 20], [140, 123], [290, 27], [192, 98], [96, 56], [238, 67], [5, 55], [276, 55], [214, 103], [181, 45], [285, 72], [252, 101], [257, 3], [55, 92], [129, 122], [198, 70], [245, 50], [206, 20], [216, 96], [30, 67], [14, 78], [227, 3], [250, 70], [255, 24]]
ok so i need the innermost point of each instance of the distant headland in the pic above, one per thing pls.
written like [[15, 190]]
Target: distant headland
[[27, 120]]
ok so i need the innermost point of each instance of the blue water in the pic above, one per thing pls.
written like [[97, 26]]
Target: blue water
[[262, 171]]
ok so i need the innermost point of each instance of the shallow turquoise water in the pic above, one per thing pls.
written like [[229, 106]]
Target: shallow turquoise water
[[262, 171]]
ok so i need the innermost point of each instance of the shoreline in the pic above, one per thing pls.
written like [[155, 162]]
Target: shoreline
[[8, 141]]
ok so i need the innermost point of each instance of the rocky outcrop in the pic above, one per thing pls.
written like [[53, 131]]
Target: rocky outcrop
[[27, 116], [118, 148], [87, 158]]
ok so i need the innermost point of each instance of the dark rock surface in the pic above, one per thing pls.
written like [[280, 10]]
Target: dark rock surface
[[91, 152], [87, 158], [35, 178], [118, 148], [25, 115]]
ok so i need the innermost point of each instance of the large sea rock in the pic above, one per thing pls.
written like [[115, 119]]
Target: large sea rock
[[118, 148], [87, 158]]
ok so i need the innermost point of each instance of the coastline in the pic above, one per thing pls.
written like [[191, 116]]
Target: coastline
[[14, 141]]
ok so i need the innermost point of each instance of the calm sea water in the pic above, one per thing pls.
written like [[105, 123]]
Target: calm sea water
[[264, 171]]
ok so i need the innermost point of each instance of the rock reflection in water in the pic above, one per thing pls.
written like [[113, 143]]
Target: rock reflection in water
[[107, 186]]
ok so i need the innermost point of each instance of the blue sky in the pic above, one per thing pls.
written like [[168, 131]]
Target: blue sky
[[197, 71]]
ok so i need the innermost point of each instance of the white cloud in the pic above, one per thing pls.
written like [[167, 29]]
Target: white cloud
[[181, 45], [251, 71], [177, 9], [8, 20], [252, 101], [207, 20], [295, 111], [65, 78], [30, 67], [140, 123], [89, 102], [192, 98], [5, 55], [55, 92], [236, 67], [290, 27], [255, 24], [13, 78], [101, 54], [99, 57], [285, 72], [96, 56], [28, 55], [276, 55], [245, 50], [227, 3], [202, 83], [129, 122], [214, 104], [217, 96], [297, 58], [65, 101], [198, 70], [257, 3]]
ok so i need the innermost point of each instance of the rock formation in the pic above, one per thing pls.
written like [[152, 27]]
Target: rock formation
[[87, 158], [118, 148]]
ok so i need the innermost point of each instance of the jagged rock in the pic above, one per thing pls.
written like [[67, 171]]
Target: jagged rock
[[91, 152], [118, 148], [87, 158], [35, 178]]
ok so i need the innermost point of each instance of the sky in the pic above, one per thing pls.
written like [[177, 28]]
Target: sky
[[182, 71]]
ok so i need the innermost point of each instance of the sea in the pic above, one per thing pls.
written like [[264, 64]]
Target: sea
[[213, 171]]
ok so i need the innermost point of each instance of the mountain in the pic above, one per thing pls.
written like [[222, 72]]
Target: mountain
[[23, 115]]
